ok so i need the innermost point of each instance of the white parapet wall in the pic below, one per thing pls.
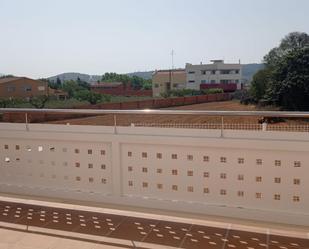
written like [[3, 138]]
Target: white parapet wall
[[260, 175]]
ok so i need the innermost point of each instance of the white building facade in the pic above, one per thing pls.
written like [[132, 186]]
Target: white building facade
[[258, 175], [216, 73]]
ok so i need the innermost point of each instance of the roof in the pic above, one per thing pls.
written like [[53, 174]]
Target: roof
[[11, 79], [108, 84], [174, 71]]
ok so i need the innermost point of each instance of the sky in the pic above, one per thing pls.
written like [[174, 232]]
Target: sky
[[42, 38]]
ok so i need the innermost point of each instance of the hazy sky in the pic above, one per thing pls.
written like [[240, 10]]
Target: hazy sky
[[41, 38]]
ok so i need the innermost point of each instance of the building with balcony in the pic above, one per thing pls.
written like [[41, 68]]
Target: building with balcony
[[216, 75]]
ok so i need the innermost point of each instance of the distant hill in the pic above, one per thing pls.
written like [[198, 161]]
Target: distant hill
[[248, 70], [74, 76], [145, 75]]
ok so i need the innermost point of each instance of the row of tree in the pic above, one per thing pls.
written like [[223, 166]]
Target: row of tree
[[285, 79], [135, 81]]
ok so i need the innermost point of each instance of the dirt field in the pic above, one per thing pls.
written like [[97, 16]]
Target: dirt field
[[125, 120]]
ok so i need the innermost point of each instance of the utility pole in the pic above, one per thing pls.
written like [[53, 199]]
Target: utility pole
[[172, 54]]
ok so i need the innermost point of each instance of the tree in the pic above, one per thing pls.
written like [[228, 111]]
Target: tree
[[292, 41], [58, 82], [290, 85], [284, 81], [39, 101], [86, 95], [259, 84]]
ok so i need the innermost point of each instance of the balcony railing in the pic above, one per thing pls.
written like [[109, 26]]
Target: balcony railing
[[265, 118]]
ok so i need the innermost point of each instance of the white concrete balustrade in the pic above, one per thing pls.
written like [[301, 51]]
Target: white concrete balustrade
[[252, 174]]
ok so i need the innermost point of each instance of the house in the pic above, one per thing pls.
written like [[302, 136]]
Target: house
[[22, 87], [215, 75], [165, 80]]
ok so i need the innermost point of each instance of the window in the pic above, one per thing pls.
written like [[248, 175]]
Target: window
[[277, 197], [258, 195], [130, 183], [77, 165], [52, 149], [241, 161], [174, 172], [240, 193], [240, 177], [130, 168], [258, 179], [191, 81], [190, 189], [223, 175], [277, 163], [159, 171], [206, 190], [11, 88], [296, 198], [129, 153], [89, 152], [103, 166], [91, 180], [90, 166], [145, 184], [237, 71], [76, 151], [297, 164], [225, 71], [174, 156], [259, 161], [144, 154], [174, 187], [27, 88], [6, 147], [41, 88], [191, 72], [277, 180], [40, 148], [206, 174], [190, 173], [223, 159], [160, 186], [103, 152], [203, 72], [190, 157], [206, 158], [159, 155], [213, 72], [17, 147], [222, 192], [103, 180], [78, 178], [296, 181], [144, 170]]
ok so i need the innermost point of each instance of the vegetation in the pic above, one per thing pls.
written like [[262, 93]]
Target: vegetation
[[135, 81], [190, 92], [284, 81]]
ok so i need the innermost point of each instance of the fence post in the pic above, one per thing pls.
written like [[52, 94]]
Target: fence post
[[26, 120], [222, 126]]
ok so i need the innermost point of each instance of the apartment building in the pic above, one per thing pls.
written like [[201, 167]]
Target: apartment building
[[165, 80], [218, 74], [22, 87]]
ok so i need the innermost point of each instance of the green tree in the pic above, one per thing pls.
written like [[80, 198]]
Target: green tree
[[259, 84], [39, 101], [290, 85]]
